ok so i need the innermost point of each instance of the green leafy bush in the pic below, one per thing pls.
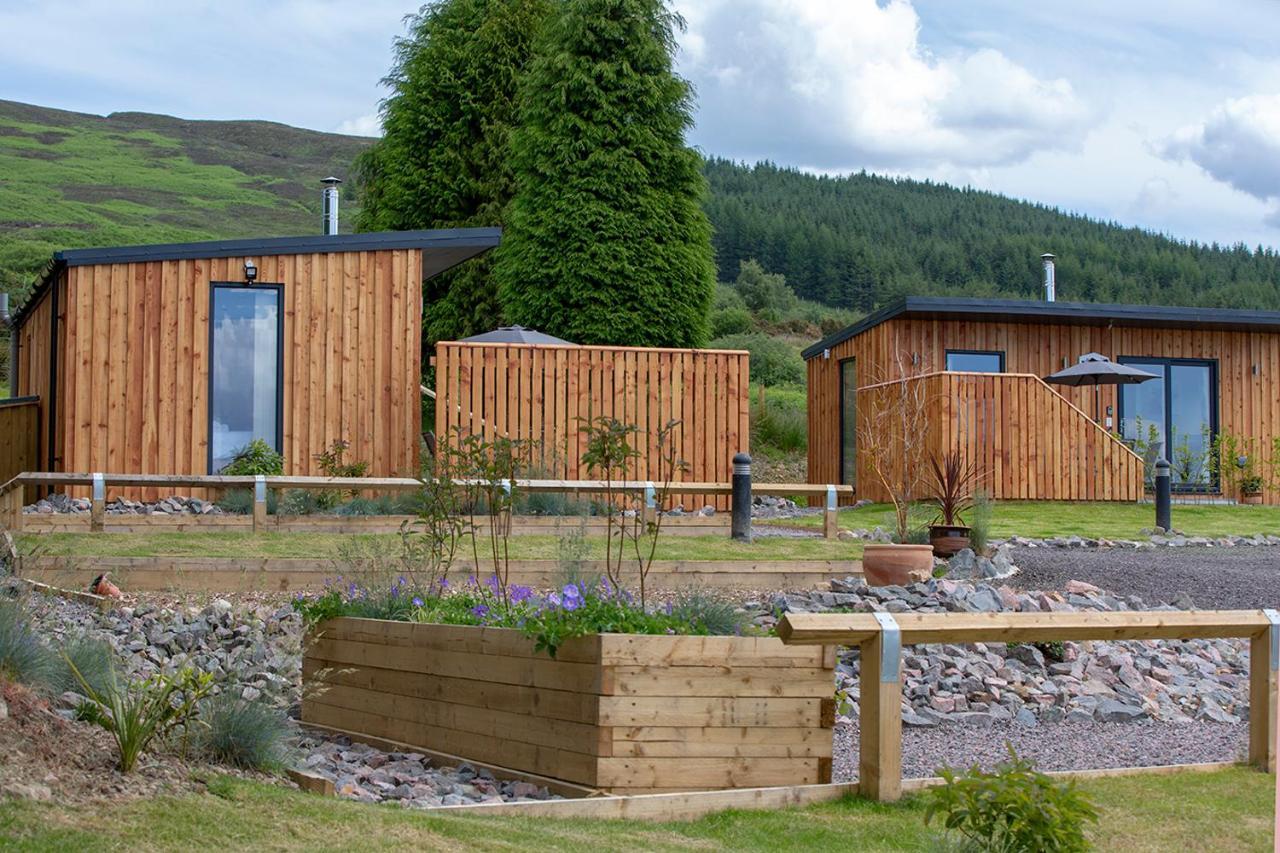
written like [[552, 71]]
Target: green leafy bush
[[241, 733], [773, 362], [240, 502], [253, 459], [730, 321], [1012, 808], [23, 655], [781, 422], [333, 463], [138, 712], [715, 615]]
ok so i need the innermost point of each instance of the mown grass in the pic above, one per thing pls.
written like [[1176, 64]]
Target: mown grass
[[329, 545], [1044, 519], [1229, 810]]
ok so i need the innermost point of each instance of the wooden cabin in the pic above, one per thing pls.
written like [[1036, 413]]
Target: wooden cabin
[[167, 359], [984, 363]]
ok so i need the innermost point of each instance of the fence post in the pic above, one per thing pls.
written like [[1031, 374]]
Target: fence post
[[98, 505], [740, 512], [830, 518], [650, 505], [880, 713], [259, 503], [1164, 499], [1264, 687]]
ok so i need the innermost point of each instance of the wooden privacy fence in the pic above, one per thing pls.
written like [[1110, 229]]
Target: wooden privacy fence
[[881, 636], [13, 492], [19, 436], [1027, 441], [544, 394]]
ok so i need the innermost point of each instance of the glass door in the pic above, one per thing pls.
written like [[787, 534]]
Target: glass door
[[245, 369], [1174, 416], [848, 423]]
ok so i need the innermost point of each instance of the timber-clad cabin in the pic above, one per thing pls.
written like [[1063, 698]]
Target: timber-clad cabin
[[985, 359], [166, 359]]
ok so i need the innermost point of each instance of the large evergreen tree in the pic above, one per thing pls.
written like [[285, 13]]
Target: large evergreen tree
[[443, 159], [606, 241]]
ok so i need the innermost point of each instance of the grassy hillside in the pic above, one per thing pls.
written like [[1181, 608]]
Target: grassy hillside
[[69, 180]]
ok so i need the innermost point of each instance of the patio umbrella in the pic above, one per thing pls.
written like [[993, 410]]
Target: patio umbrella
[[1096, 369], [514, 335]]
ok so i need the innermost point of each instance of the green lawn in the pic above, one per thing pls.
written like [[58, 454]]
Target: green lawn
[[1044, 519], [326, 545], [1227, 810]]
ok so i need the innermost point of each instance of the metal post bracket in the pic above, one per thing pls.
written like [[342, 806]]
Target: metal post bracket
[[890, 648], [259, 489], [1273, 616], [99, 487], [831, 497], [650, 496]]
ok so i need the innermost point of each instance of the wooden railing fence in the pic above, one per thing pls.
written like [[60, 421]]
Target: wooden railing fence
[[544, 395], [880, 638], [1027, 441], [13, 493]]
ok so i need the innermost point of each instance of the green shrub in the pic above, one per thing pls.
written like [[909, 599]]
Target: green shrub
[[23, 655], [333, 463], [980, 521], [139, 712], [298, 502], [240, 502], [92, 657], [715, 615], [1012, 808], [773, 362], [730, 321], [253, 459], [782, 422], [241, 733]]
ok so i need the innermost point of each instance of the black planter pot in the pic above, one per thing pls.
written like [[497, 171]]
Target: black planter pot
[[948, 539]]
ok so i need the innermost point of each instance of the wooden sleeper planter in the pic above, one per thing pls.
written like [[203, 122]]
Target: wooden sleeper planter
[[624, 713]]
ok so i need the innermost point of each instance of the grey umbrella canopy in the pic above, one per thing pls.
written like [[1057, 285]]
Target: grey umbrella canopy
[[515, 335], [1096, 369]]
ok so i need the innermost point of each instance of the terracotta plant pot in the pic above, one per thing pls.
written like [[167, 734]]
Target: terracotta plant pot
[[1252, 499], [948, 539], [886, 565]]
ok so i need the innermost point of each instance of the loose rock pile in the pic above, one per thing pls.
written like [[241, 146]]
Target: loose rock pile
[[254, 649], [60, 504], [982, 684], [1157, 539], [369, 775]]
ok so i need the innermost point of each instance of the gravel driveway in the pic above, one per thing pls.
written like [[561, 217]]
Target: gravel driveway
[[1241, 578], [1057, 746]]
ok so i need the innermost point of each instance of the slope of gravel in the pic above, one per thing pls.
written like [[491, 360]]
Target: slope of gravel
[[1056, 746], [1211, 578]]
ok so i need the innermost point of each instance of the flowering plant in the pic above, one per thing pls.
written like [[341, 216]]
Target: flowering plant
[[573, 610]]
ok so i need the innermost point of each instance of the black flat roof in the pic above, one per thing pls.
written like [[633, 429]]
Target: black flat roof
[[442, 248], [1071, 313]]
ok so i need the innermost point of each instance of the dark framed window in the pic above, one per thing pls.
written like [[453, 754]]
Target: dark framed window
[[246, 368], [1174, 415], [848, 422], [975, 360]]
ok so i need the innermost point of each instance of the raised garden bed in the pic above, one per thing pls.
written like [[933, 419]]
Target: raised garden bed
[[622, 713]]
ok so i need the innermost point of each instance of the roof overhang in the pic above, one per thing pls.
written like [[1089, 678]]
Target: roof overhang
[[1062, 313], [442, 249]]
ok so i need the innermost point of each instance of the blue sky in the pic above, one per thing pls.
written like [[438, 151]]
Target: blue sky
[[1160, 114]]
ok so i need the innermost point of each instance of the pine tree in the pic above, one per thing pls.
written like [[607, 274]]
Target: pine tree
[[606, 241], [443, 159]]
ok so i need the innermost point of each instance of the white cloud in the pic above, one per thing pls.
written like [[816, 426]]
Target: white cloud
[[1238, 143], [850, 85], [366, 125]]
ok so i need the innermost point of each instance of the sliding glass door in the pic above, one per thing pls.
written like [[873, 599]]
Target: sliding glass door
[[848, 423], [1179, 411], [245, 377]]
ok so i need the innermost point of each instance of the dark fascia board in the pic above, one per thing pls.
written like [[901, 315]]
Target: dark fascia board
[[442, 248], [1071, 313], [442, 238]]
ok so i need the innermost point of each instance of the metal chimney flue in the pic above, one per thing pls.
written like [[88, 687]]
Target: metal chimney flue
[[1050, 283], [330, 212]]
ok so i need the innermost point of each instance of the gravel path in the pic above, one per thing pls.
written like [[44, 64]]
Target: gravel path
[[1213, 578], [1056, 746]]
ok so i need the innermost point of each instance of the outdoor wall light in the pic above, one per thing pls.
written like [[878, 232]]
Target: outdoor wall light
[[250, 272], [1242, 462], [826, 353]]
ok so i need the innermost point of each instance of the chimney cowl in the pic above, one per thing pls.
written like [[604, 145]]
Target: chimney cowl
[[1050, 279], [329, 211]]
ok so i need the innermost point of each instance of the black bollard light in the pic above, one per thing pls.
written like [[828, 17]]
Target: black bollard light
[[741, 510], [1164, 496]]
